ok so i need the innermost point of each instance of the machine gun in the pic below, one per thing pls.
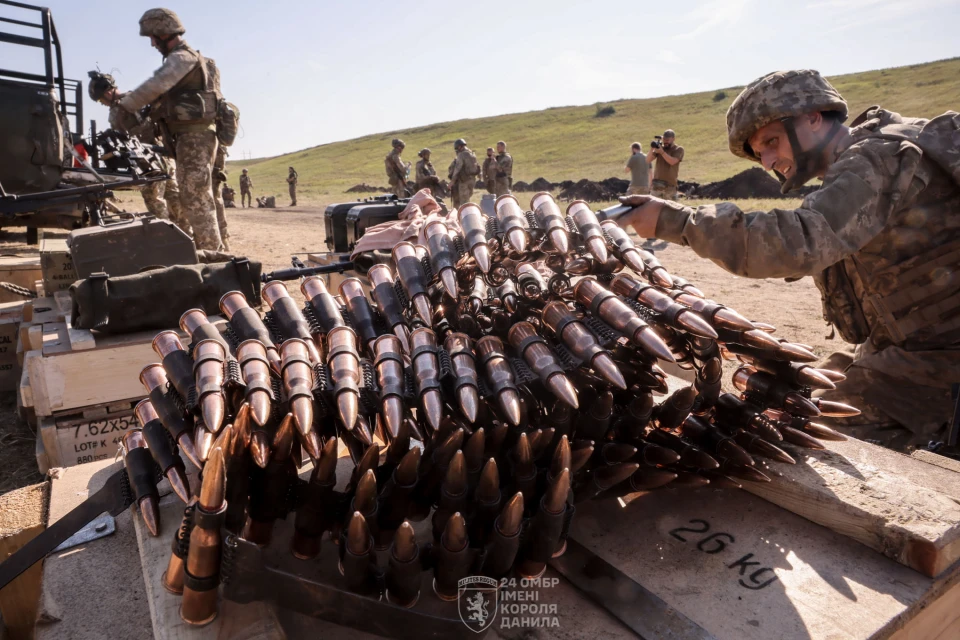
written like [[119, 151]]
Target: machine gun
[[299, 270]]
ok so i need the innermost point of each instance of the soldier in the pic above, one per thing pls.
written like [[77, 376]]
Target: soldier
[[396, 170], [668, 155], [229, 197], [220, 178], [463, 174], [427, 175], [162, 199], [639, 170], [504, 169], [880, 237], [292, 182], [246, 184], [187, 90], [490, 171]]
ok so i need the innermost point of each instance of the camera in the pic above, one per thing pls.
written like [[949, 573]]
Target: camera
[[657, 142]]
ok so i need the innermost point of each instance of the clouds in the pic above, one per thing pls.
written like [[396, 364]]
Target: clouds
[[710, 16], [669, 57]]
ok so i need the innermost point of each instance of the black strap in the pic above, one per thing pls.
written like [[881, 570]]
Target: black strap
[[412, 276], [209, 520], [386, 297], [158, 443], [475, 237], [206, 357], [248, 326], [424, 348], [293, 359], [100, 296], [140, 470], [200, 584], [565, 321], [442, 254], [179, 368], [598, 300], [529, 340], [327, 311], [170, 415], [488, 356], [342, 349], [250, 285]]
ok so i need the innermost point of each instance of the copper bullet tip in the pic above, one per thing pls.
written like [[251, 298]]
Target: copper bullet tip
[[509, 401], [511, 517], [561, 387], [283, 438], [767, 450], [150, 512], [187, 448], [469, 402], [358, 535], [259, 406], [214, 485], [422, 304], [823, 432], [562, 456], [448, 278], [606, 477], [522, 452], [749, 473], [654, 344], [579, 457], [348, 406], [393, 415], [661, 277], [795, 352], [560, 241], [734, 453], [800, 439], [481, 253], [404, 547], [433, 408], [203, 442], [488, 489], [617, 452], [454, 537], [646, 479], [834, 376], [760, 340], [406, 472], [607, 368], [555, 499], [455, 482], [689, 480], [179, 482], [403, 334], [365, 498], [692, 322], [517, 239], [260, 448], [831, 409], [302, 409], [597, 248], [813, 378], [326, 469], [798, 405], [726, 318], [213, 408], [473, 450]]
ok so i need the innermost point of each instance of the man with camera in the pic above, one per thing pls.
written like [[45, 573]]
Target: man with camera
[[668, 156]]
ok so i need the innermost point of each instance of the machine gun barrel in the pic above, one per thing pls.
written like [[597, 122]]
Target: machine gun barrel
[[293, 273]]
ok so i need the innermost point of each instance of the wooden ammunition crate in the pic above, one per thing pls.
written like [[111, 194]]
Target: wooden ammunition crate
[[22, 271], [56, 265], [82, 436]]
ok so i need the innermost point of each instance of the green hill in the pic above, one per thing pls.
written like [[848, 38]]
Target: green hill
[[571, 142]]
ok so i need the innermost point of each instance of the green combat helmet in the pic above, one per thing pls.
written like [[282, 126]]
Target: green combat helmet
[[99, 84], [397, 142], [161, 23], [459, 143], [782, 95]]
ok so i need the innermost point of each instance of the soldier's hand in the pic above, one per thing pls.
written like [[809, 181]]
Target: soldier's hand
[[643, 218]]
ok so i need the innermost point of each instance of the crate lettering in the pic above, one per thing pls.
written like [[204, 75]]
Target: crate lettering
[[751, 573]]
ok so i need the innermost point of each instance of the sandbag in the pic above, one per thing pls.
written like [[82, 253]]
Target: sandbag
[[155, 299]]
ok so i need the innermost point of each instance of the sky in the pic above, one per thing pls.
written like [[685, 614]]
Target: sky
[[307, 72]]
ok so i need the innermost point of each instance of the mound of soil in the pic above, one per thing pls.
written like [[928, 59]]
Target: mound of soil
[[752, 183], [590, 191], [366, 188], [542, 184], [521, 186]]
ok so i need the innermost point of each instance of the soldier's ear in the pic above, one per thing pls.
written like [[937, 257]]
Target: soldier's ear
[[814, 120]]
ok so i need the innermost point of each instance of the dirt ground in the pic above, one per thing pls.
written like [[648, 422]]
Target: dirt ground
[[274, 235]]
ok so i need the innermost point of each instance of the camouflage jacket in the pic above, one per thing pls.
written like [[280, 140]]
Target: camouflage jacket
[[293, 177], [424, 170], [132, 124], [396, 171], [504, 165], [181, 61], [881, 238], [465, 167], [245, 183], [489, 168]]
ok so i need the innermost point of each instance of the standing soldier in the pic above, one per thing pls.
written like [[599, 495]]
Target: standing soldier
[[396, 170], [463, 177], [162, 199], [490, 171], [427, 175], [220, 178], [504, 180], [246, 184], [292, 181], [187, 88]]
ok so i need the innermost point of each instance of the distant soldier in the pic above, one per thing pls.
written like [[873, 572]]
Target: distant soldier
[[246, 184], [162, 199], [427, 175], [463, 177], [220, 178], [396, 170], [187, 90], [489, 174], [639, 170], [229, 195], [292, 182], [504, 181]]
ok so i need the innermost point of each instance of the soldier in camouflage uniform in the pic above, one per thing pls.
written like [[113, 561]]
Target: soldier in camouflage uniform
[[504, 177], [463, 174], [489, 173], [162, 199], [219, 179], [292, 178], [427, 175], [186, 90], [396, 170], [246, 184], [881, 239]]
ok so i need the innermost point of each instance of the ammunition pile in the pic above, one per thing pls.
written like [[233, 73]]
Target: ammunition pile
[[495, 377]]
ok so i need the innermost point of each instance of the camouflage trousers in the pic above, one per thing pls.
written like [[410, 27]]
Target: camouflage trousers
[[293, 194], [638, 191], [196, 151], [398, 188], [162, 199], [897, 412], [245, 198], [502, 186], [491, 186], [221, 216], [661, 189], [461, 192]]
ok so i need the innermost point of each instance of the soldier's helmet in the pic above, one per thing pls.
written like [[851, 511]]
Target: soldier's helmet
[[423, 152], [459, 142], [775, 96], [161, 23], [244, 171], [397, 142], [99, 83]]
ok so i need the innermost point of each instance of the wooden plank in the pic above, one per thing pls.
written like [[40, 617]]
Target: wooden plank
[[23, 516], [906, 509], [82, 439], [241, 621], [744, 569], [938, 621], [19, 270], [936, 459], [47, 433]]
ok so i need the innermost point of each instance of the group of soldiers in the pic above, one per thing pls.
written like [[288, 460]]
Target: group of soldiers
[[246, 190], [496, 173]]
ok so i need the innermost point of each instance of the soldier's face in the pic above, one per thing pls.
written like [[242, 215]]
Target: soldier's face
[[501, 148], [772, 146]]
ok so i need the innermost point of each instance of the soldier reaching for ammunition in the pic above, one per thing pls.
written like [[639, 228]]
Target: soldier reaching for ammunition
[[187, 88], [881, 239], [396, 170]]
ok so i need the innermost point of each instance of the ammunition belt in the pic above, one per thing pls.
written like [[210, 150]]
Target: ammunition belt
[[159, 445], [285, 313], [391, 386], [551, 368], [248, 326], [326, 312], [432, 382], [412, 270], [179, 368], [170, 414], [258, 384], [389, 304], [207, 384], [300, 388], [347, 383]]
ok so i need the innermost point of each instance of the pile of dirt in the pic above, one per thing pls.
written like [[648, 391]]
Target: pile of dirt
[[542, 184], [590, 191], [752, 183], [366, 188]]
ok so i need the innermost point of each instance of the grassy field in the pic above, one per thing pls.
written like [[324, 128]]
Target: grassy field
[[572, 143]]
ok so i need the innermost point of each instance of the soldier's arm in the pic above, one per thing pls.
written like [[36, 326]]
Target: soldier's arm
[[830, 224], [172, 71], [669, 159], [457, 168]]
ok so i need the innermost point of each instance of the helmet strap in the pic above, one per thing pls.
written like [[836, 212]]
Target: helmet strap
[[807, 164]]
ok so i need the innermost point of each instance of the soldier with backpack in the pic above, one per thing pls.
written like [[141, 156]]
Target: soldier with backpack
[[881, 238], [463, 175], [186, 99]]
